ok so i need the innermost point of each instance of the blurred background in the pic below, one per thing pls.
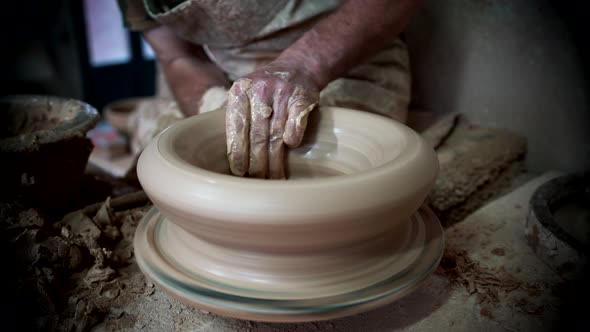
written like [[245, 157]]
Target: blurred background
[[519, 65], [77, 49]]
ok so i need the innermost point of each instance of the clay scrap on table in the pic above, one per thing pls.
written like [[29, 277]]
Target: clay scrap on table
[[476, 164], [66, 275]]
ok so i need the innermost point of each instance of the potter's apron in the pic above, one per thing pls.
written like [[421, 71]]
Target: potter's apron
[[239, 36]]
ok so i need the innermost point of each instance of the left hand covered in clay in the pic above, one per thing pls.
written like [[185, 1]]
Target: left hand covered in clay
[[266, 111]]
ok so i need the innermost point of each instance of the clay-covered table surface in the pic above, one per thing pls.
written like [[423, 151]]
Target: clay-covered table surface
[[489, 280]]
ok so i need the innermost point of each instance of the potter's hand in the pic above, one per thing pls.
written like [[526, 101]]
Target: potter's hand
[[267, 110]]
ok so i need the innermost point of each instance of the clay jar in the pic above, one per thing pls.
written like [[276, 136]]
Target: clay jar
[[44, 148], [334, 225]]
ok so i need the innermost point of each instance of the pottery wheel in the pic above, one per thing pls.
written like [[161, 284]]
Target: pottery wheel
[[232, 283]]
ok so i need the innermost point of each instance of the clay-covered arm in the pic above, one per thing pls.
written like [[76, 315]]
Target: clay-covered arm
[[354, 32], [187, 68]]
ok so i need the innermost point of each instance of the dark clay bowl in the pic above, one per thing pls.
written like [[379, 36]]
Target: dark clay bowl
[[558, 225], [44, 148]]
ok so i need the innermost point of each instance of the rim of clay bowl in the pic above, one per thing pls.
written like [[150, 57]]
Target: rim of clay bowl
[[86, 118], [415, 170]]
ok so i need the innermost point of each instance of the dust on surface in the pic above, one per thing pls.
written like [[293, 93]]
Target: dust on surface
[[499, 251], [490, 286]]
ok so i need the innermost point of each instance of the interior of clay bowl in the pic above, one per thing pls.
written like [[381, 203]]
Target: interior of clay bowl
[[30, 120], [23, 119], [561, 206], [334, 145], [356, 176]]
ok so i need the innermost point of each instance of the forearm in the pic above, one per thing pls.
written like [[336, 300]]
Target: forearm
[[187, 69], [350, 35]]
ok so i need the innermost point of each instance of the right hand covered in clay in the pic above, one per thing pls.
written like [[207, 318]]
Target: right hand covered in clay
[[266, 111]]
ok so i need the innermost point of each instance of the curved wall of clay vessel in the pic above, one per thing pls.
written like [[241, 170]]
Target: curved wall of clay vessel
[[390, 171]]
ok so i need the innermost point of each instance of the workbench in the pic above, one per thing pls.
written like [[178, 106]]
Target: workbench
[[489, 280]]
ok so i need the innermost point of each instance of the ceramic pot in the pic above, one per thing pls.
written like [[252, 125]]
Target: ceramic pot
[[44, 148], [117, 113], [353, 185]]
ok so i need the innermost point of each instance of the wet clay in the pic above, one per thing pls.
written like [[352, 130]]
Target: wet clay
[[266, 239]]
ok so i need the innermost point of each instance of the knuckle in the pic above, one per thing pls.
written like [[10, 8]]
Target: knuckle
[[240, 86], [261, 112], [276, 139], [258, 138]]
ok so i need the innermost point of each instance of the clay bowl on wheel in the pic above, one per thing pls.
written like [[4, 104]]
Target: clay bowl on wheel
[[341, 222], [352, 170]]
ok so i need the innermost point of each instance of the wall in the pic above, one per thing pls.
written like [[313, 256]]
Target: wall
[[510, 64], [41, 53]]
